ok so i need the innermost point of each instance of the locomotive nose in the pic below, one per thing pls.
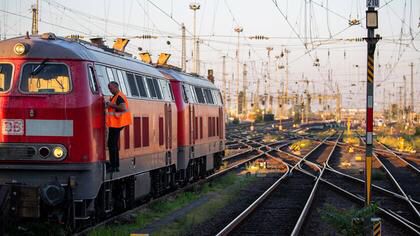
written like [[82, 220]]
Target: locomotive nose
[[52, 194]]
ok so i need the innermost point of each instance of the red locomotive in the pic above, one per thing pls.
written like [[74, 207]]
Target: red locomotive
[[52, 129]]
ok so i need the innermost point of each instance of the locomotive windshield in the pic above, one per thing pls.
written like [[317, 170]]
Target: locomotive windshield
[[5, 77], [45, 78]]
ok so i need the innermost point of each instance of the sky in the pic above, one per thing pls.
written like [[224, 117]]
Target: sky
[[311, 30]]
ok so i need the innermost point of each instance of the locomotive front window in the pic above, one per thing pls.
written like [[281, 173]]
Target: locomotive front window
[[5, 77], [45, 78]]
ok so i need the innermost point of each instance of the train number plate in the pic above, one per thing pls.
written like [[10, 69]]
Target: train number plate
[[12, 127]]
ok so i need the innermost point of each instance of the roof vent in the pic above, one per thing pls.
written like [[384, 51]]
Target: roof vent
[[98, 42], [145, 57], [163, 59], [48, 36], [120, 44]]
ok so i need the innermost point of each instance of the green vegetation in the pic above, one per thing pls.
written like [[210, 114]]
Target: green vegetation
[[399, 137], [400, 143], [223, 196], [326, 133], [351, 138], [378, 175], [163, 207], [349, 222], [36, 228], [269, 138]]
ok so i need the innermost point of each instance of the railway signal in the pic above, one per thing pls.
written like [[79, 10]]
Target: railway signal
[[371, 25]]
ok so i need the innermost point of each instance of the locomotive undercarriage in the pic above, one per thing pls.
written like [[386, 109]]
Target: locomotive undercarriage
[[119, 195], [113, 197]]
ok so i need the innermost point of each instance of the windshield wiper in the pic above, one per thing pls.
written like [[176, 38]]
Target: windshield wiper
[[39, 67]]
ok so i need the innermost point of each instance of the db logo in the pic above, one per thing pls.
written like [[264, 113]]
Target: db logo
[[12, 127]]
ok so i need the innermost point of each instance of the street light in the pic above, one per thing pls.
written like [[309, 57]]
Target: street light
[[238, 30], [196, 68]]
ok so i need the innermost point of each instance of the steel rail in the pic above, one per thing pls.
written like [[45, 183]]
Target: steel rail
[[399, 157], [413, 208], [382, 210], [329, 168], [308, 205], [244, 214], [142, 206], [354, 178], [406, 223]]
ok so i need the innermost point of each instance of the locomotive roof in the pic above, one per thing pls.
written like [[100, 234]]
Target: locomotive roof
[[62, 48], [189, 78]]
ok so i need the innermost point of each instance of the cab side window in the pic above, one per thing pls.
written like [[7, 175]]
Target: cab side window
[[92, 80]]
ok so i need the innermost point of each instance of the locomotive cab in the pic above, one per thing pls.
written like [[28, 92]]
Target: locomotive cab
[[51, 124]]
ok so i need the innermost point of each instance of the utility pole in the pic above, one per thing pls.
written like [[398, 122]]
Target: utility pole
[[196, 67], [184, 50], [338, 104], [371, 25], [405, 100], [269, 49], [244, 86], [35, 18], [257, 95], [224, 82], [383, 99], [237, 30], [412, 95], [286, 84], [400, 105], [307, 101]]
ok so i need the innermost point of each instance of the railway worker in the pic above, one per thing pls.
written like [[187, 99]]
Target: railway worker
[[118, 116]]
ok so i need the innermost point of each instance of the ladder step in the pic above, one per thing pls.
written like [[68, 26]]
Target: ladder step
[[82, 218]]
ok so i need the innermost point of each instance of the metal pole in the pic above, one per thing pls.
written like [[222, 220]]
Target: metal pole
[[411, 96], [35, 16], [244, 87], [184, 50], [286, 53], [237, 30], [195, 48], [195, 7], [405, 100], [371, 40], [268, 84], [224, 82]]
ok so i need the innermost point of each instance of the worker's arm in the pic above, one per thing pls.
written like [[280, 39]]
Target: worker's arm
[[120, 108]]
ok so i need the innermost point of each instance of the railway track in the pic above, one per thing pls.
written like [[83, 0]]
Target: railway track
[[282, 214], [279, 211], [233, 163], [392, 204], [395, 207], [398, 177]]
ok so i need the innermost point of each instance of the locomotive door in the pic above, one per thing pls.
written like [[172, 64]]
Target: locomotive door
[[192, 124], [168, 126], [168, 132], [99, 128], [220, 124]]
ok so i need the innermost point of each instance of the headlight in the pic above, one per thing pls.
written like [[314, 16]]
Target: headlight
[[20, 49], [58, 152]]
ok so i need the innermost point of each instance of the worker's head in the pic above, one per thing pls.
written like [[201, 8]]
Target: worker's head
[[113, 87]]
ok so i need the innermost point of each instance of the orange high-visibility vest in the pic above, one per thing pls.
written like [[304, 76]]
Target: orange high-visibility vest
[[117, 119]]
